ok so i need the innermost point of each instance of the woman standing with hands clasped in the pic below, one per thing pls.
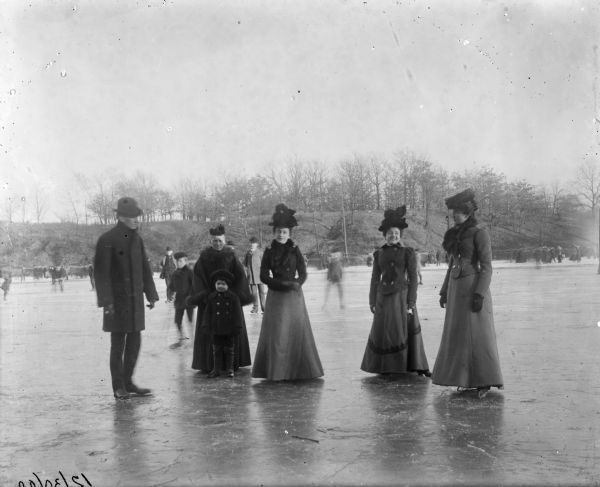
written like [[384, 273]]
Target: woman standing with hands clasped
[[468, 354], [286, 348], [395, 343]]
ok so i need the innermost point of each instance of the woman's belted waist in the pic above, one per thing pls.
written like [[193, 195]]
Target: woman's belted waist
[[391, 287], [462, 267]]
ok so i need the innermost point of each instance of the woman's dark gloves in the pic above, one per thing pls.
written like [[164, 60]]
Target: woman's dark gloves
[[281, 285], [476, 303], [443, 300]]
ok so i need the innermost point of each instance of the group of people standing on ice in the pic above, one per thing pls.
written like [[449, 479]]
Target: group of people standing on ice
[[286, 350], [468, 354]]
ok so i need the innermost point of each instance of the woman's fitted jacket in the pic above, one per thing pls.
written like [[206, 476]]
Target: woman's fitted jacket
[[471, 253], [394, 269], [283, 261]]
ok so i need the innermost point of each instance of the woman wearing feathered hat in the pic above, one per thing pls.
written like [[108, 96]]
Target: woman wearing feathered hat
[[218, 257], [468, 354], [395, 343], [286, 347]]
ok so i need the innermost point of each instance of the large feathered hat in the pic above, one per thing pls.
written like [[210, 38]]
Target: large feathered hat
[[394, 218], [218, 230], [283, 217], [463, 201]]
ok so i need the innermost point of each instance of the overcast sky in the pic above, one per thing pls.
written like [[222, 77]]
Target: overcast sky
[[196, 88]]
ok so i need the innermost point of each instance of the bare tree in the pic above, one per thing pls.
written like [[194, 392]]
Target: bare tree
[[405, 164], [144, 188], [393, 190], [316, 178], [356, 187], [278, 181], [39, 202], [103, 195], [425, 178], [165, 204], [556, 192], [587, 182], [190, 198], [376, 172], [23, 205], [9, 207], [296, 185]]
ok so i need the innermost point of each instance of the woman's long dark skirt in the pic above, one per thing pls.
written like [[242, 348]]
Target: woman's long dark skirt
[[395, 343]]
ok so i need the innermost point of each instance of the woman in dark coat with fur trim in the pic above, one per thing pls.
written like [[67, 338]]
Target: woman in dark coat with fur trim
[[395, 343], [468, 354], [213, 258], [286, 347]]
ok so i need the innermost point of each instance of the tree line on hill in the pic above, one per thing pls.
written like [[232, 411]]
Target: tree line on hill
[[359, 184]]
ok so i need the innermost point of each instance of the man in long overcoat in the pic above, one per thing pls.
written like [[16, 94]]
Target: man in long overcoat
[[123, 275]]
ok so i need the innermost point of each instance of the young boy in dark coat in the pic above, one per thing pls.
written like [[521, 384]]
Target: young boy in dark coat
[[181, 285], [222, 320]]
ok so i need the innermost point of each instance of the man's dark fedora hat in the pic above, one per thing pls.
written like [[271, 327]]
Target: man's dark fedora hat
[[128, 207]]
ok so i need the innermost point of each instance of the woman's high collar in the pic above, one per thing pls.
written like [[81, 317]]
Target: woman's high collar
[[289, 243]]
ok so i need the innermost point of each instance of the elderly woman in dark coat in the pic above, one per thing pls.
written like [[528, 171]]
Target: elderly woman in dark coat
[[216, 257], [286, 347], [468, 354], [395, 343]]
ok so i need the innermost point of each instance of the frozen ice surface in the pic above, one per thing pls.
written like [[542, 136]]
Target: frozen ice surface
[[348, 428]]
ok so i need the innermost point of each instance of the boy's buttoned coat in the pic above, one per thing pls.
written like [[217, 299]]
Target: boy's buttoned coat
[[223, 314], [123, 276]]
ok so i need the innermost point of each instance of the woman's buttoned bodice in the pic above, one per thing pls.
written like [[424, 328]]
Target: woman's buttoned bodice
[[394, 269]]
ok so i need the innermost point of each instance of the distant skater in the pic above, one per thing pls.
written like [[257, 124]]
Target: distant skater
[[91, 274], [335, 272], [468, 354], [167, 267], [419, 266], [180, 286], [61, 275], [6, 281], [252, 265]]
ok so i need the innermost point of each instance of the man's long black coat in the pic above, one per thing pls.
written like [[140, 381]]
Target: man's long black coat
[[123, 276]]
